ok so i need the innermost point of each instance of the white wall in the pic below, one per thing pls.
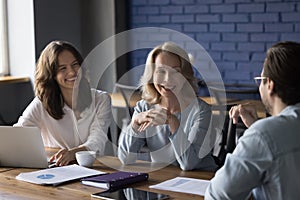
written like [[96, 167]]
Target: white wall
[[21, 38]]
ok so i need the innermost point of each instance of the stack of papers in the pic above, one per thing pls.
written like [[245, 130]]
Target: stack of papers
[[57, 175], [183, 184]]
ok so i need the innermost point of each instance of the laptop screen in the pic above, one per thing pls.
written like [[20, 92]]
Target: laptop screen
[[22, 147]]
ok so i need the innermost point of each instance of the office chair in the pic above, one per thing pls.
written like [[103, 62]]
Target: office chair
[[131, 94], [224, 100], [16, 95], [233, 92], [230, 135]]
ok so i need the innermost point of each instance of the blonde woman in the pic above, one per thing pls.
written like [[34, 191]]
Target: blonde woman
[[170, 120]]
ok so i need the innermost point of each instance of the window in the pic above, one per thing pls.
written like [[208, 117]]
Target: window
[[4, 65]]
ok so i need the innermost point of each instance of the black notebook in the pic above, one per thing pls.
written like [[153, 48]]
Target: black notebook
[[115, 180]]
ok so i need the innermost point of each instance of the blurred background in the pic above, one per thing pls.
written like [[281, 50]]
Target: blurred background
[[235, 33]]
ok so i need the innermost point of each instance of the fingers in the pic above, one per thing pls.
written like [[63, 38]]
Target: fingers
[[248, 110], [236, 111], [56, 156], [143, 126], [61, 158], [152, 117], [138, 120], [148, 121], [234, 114], [52, 159], [62, 161], [247, 113], [158, 117]]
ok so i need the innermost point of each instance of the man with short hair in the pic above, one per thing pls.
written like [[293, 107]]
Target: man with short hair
[[266, 161]]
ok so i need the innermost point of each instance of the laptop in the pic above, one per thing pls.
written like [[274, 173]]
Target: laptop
[[22, 147]]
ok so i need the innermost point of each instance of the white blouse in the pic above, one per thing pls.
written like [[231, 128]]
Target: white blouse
[[89, 130]]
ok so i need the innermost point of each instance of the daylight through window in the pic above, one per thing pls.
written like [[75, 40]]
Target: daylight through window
[[4, 65]]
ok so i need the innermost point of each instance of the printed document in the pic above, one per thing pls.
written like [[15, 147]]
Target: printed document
[[183, 184], [57, 175]]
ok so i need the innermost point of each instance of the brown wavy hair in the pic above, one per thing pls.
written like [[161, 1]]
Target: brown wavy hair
[[46, 87]]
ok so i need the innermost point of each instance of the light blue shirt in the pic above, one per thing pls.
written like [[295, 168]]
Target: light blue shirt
[[189, 147], [266, 161]]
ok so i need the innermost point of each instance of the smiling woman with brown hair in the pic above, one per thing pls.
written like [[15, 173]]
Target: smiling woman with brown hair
[[71, 115]]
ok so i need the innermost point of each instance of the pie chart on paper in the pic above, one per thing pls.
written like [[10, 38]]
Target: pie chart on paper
[[45, 176]]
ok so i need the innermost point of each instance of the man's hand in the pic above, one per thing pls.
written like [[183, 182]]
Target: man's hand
[[247, 113]]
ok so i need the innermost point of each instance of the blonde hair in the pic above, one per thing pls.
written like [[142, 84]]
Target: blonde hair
[[149, 93]]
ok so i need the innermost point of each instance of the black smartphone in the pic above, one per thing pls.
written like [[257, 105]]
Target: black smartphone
[[130, 194]]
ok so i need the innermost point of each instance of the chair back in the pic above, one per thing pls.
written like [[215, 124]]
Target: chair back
[[229, 136], [130, 94], [233, 92]]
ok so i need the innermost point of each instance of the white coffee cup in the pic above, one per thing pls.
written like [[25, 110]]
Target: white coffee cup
[[85, 158]]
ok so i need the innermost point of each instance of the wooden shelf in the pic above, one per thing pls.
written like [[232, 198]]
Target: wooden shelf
[[13, 79]]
